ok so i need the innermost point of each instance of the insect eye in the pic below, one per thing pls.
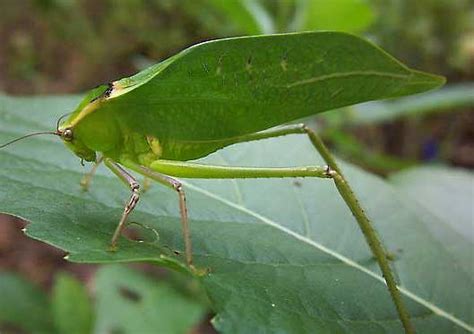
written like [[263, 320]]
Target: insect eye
[[67, 135]]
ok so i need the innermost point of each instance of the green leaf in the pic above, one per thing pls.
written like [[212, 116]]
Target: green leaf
[[71, 307], [340, 15], [283, 255], [129, 302], [446, 192], [23, 305], [249, 16]]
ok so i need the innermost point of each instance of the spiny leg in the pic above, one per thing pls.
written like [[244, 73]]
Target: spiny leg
[[365, 225], [132, 202], [178, 187], [86, 180], [193, 170], [351, 201]]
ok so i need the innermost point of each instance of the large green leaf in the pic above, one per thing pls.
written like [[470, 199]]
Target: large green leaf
[[129, 302], [448, 193], [283, 256]]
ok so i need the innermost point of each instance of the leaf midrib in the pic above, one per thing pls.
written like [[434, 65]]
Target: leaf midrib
[[279, 307]]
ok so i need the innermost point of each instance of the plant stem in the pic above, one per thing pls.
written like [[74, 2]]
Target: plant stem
[[366, 227]]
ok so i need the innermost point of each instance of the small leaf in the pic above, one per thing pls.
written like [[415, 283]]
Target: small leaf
[[23, 305], [249, 16], [71, 306], [129, 302]]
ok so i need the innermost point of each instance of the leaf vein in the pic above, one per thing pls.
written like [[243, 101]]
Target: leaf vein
[[432, 307]]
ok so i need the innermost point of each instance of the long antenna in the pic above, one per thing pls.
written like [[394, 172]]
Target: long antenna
[[30, 135]]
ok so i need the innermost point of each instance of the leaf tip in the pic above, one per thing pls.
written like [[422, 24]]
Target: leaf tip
[[421, 82]]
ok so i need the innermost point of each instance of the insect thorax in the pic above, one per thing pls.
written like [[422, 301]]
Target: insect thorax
[[141, 149]]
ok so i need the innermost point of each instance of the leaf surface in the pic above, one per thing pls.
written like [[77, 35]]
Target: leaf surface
[[71, 306], [249, 16], [284, 255], [341, 15], [446, 192], [129, 302]]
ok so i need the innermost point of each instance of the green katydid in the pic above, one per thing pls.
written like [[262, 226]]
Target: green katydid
[[228, 91]]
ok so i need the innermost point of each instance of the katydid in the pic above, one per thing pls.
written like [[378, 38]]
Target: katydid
[[229, 91]]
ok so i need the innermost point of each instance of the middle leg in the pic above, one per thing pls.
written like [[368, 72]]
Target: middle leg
[[160, 170], [178, 187]]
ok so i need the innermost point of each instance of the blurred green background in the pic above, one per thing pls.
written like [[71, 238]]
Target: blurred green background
[[69, 46]]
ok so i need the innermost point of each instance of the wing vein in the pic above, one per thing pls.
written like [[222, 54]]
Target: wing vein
[[346, 75]]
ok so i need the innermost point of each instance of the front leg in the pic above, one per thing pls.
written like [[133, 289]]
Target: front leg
[[86, 180], [132, 202]]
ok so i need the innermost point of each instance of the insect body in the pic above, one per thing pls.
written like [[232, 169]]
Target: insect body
[[235, 90]]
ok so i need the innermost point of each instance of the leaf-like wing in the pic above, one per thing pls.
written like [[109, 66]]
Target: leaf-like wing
[[229, 87]]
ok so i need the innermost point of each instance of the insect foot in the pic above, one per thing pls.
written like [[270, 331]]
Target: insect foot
[[85, 183], [329, 172], [112, 248], [87, 178], [199, 272]]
